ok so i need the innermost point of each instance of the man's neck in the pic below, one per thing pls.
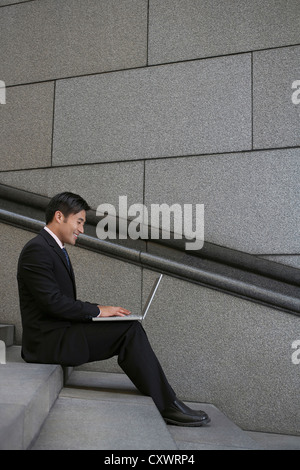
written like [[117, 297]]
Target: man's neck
[[49, 229]]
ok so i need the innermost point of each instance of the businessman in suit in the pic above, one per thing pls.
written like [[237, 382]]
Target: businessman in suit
[[58, 327]]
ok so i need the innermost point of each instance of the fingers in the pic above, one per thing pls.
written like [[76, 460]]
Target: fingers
[[109, 311], [121, 312]]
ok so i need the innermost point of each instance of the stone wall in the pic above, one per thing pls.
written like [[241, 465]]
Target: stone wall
[[173, 101], [167, 101]]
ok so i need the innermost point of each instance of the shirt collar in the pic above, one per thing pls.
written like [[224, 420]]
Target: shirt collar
[[55, 237]]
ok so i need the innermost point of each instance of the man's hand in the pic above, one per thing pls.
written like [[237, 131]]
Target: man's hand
[[108, 311]]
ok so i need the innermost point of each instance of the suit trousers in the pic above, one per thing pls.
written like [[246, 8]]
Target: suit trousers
[[128, 340]]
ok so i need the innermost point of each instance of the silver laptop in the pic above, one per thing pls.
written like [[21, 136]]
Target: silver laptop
[[140, 317]]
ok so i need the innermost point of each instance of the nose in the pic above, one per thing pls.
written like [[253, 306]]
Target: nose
[[81, 229]]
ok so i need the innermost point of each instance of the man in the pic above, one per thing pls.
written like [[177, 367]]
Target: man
[[58, 328]]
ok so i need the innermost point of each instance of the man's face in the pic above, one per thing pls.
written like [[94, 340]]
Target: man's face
[[70, 227]]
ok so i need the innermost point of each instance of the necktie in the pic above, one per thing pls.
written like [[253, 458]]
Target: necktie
[[67, 257]]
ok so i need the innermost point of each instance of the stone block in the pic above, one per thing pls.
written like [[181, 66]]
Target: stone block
[[26, 126], [28, 391], [105, 425], [178, 109], [250, 199], [13, 240], [98, 184], [11, 426], [7, 334], [189, 29], [276, 98], [62, 38]]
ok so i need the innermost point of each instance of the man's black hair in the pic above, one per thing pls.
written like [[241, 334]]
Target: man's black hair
[[67, 203]]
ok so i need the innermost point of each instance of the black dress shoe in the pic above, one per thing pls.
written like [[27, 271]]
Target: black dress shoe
[[181, 415]]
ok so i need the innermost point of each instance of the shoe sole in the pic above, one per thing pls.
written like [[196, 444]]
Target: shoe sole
[[188, 424]]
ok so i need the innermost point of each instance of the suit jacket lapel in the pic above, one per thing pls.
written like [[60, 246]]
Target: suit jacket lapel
[[59, 252]]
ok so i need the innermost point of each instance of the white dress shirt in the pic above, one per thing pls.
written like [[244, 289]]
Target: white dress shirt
[[55, 237]]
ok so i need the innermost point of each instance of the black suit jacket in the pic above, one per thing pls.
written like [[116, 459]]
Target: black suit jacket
[[48, 304]]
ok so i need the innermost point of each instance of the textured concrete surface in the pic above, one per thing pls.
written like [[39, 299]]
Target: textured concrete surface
[[71, 37], [114, 396], [228, 89], [261, 216], [84, 423], [221, 434], [98, 184], [275, 441], [155, 112], [276, 117], [13, 241], [26, 396], [7, 334], [189, 29], [243, 209], [26, 126], [10, 2], [11, 426]]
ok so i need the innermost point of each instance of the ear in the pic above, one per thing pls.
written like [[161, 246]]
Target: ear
[[59, 217]]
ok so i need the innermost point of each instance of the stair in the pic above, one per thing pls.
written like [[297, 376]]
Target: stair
[[104, 411], [98, 411], [6, 340], [89, 419], [7, 334], [27, 393]]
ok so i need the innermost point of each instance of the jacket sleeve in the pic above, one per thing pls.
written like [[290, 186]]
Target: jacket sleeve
[[36, 273]]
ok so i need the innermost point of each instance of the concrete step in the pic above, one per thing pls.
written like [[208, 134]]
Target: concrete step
[[97, 410], [105, 411], [13, 354], [27, 394], [82, 422], [222, 433], [7, 334]]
